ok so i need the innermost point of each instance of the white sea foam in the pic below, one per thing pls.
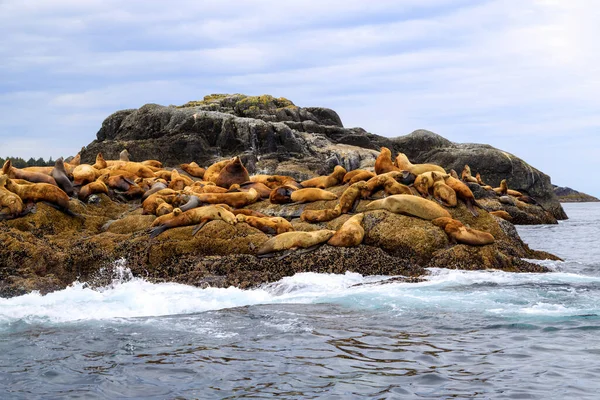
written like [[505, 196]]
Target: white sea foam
[[494, 292]]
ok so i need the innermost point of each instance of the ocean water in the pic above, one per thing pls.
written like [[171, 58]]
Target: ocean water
[[460, 334]]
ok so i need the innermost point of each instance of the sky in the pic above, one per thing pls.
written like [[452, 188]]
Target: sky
[[521, 75]]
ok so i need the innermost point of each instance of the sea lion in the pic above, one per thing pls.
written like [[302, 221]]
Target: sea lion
[[463, 192], [404, 164], [327, 214], [100, 162], [163, 208], [163, 174], [138, 169], [269, 225], [411, 205], [263, 190], [91, 188], [8, 199], [350, 195], [151, 203], [152, 164], [444, 193], [502, 214], [195, 216], [156, 186], [503, 190], [453, 174], [282, 195], [192, 202], [42, 170], [386, 181], [178, 181], [309, 195], [324, 182], [60, 176], [507, 200], [466, 175], [479, 180], [274, 181], [33, 177], [235, 200], [424, 182], [85, 173], [293, 240], [41, 192], [193, 169], [213, 171], [232, 173], [462, 234], [363, 175], [384, 162], [75, 161], [124, 156], [350, 234], [528, 200], [245, 211]]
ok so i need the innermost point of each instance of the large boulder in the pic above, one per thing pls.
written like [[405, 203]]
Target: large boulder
[[272, 135]]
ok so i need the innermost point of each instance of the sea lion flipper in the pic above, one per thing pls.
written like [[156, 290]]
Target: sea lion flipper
[[309, 249], [197, 228], [154, 232], [285, 254], [469, 204]]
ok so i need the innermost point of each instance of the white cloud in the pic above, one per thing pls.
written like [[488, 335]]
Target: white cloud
[[514, 74]]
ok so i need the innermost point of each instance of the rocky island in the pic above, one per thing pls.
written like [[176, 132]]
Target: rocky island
[[46, 247]]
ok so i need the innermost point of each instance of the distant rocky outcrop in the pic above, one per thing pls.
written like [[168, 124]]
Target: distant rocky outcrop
[[275, 136], [568, 195]]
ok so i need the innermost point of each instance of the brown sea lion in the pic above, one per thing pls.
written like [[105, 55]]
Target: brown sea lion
[[350, 196], [41, 192], [350, 234], [324, 182], [263, 190], [151, 203], [327, 214], [100, 162], [444, 193], [270, 225], [351, 174], [294, 240], [453, 174], [195, 216], [363, 176], [479, 180], [463, 234], [163, 208], [152, 164], [135, 168], [235, 200], [404, 164], [75, 161], [282, 195], [309, 195], [60, 176], [424, 182], [193, 169], [212, 172], [504, 190], [33, 177], [502, 214], [178, 181], [91, 188], [386, 181], [42, 170], [466, 175], [463, 192], [84, 173], [410, 205], [507, 200], [245, 211], [163, 174], [384, 162], [528, 200], [232, 173], [8, 199], [274, 181]]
